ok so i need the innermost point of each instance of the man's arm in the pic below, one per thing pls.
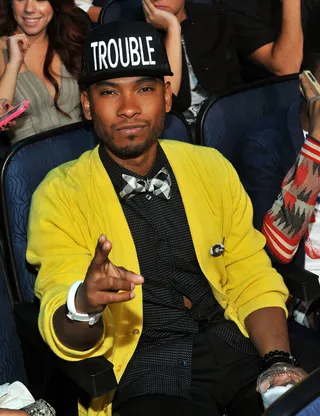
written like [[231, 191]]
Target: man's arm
[[268, 330], [251, 283], [61, 247], [284, 56], [100, 288], [87, 6]]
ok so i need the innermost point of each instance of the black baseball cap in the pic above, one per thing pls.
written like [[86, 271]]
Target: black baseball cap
[[124, 49]]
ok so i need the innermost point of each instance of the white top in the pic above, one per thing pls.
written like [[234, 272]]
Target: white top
[[84, 4], [312, 244]]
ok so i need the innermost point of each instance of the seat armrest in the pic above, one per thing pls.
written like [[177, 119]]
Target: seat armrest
[[95, 375], [301, 283]]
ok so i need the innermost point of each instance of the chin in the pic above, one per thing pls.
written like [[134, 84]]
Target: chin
[[33, 32]]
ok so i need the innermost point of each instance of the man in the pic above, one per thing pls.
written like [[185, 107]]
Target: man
[[269, 36], [201, 51], [195, 303]]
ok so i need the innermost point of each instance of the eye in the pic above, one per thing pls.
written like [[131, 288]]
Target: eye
[[107, 92], [146, 89]]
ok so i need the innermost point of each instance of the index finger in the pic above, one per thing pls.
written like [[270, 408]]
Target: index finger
[[132, 277]]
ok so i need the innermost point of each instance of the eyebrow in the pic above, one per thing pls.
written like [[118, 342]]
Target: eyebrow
[[142, 80]]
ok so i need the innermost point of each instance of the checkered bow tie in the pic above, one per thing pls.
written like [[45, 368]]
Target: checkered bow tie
[[159, 185]]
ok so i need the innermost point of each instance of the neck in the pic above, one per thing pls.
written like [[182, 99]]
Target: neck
[[304, 116], [140, 165]]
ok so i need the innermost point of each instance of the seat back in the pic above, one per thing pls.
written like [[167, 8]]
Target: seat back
[[11, 360], [223, 120], [176, 128], [22, 171], [115, 10], [313, 409]]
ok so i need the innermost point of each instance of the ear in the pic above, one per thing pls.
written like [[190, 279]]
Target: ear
[[85, 102], [168, 96]]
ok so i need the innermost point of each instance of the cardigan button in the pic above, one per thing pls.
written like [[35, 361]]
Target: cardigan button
[[136, 331]]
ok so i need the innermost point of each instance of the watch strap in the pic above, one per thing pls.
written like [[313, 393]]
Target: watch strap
[[71, 306]]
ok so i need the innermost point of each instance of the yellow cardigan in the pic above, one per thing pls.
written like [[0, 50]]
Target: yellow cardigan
[[76, 202]]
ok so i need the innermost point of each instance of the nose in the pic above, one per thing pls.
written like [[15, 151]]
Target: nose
[[129, 107], [30, 6]]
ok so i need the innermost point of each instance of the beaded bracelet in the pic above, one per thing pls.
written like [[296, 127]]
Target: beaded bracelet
[[276, 356]]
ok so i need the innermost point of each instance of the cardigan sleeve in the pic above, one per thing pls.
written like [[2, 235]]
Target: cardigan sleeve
[[59, 250], [252, 283]]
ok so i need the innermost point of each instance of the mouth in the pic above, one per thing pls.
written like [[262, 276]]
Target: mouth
[[161, 7], [131, 129], [30, 20]]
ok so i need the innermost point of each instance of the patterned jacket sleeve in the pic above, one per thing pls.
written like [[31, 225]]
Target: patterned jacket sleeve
[[287, 221]]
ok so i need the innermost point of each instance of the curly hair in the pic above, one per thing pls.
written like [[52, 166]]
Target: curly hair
[[66, 34]]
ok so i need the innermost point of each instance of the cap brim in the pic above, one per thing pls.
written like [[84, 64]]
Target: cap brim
[[87, 80]]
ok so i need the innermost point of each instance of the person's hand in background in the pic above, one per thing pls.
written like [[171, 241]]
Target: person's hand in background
[[4, 107]]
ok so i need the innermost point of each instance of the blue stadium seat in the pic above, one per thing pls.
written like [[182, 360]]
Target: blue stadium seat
[[25, 167], [115, 10], [223, 120], [176, 128], [11, 360], [22, 171]]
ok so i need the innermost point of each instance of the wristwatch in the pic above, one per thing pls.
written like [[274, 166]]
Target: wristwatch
[[72, 312]]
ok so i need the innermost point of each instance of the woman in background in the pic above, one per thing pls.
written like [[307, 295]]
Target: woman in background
[[40, 60]]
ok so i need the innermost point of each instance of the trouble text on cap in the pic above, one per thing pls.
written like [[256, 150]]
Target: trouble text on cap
[[123, 52]]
